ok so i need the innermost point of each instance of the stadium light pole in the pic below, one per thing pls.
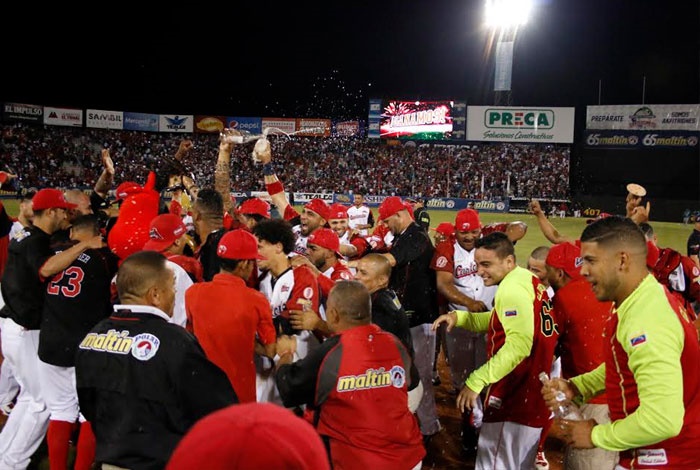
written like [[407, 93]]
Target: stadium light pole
[[504, 18]]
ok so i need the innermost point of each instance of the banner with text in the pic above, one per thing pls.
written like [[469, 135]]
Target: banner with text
[[252, 125], [662, 117], [531, 125], [176, 123], [23, 112], [141, 122], [209, 124], [624, 139], [313, 127], [434, 203], [285, 125], [63, 117], [101, 119]]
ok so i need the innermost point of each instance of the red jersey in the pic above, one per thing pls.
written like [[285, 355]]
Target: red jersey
[[192, 266], [581, 319], [338, 272]]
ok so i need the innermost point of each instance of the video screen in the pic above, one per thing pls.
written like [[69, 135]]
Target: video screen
[[417, 120]]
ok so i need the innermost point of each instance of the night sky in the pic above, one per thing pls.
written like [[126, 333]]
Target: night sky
[[326, 59]]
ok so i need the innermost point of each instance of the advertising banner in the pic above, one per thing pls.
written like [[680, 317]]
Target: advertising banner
[[141, 122], [209, 124], [527, 125], [662, 117], [375, 117], [23, 112], [303, 198], [624, 139], [286, 125], [436, 203], [347, 128], [101, 119], [63, 117], [252, 125], [314, 127], [176, 123]]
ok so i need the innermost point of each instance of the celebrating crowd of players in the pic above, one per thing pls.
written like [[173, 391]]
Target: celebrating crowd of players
[[156, 346]]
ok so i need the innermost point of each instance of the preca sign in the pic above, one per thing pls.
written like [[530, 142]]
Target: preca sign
[[543, 125]]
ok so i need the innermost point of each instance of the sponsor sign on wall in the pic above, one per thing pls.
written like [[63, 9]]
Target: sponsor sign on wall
[[662, 117], [209, 124], [303, 198], [141, 122], [176, 123], [63, 117], [252, 125], [436, 203], [375, 117], [285, 125], [625, 139], [347, 128], [23, 112], [101, 119], [313, 127], [509, 124]]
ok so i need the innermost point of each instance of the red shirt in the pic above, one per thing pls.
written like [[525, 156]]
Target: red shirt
[[192, 266], [581, 319], [340, 273], [225, 316]]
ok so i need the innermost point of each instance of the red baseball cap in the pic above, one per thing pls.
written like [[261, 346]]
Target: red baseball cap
[[602, 215], [318, 206], [325, 238], [255, 205], [238, 244], [127, 188], [467, 220], [250, 435], [391, 206], [50, 198], [163, 231], [338, 211], [445, 228], [566, 256], [653, 254]]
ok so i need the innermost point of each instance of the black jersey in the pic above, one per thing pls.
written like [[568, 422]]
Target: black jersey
[[143, 382], [77, 298], [207, 255], [22, 286]]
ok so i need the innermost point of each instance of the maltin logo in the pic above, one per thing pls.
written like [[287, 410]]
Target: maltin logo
[[510, 118]]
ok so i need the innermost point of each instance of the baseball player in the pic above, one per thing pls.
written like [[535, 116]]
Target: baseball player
[[315, 213], [77, 298], [651, 373], [361, 217], [168, 235], [286, 289], [231, 333], [521, 339], [30, 263]]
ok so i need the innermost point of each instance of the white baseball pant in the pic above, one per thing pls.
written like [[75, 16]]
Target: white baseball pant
[[27, 424], [424, 355], [506, 446]]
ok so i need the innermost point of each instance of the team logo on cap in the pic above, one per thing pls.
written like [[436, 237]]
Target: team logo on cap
[[221, 250], [578, 262], [154, 234], [145, 346]]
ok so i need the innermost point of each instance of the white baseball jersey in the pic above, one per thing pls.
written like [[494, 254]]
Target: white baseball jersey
[[15, 229], [359, 216], [290, 291], [466, 280]]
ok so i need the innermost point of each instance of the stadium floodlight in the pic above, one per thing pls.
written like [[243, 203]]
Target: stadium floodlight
[[507, 13]]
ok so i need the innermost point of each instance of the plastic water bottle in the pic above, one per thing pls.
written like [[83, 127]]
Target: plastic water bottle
[[563, 410]]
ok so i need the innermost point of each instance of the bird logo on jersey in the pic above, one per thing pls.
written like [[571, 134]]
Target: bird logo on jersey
[[145, 346]]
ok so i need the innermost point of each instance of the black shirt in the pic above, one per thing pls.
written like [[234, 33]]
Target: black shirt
[[412, 279], [77, 298], [142, 383], [22, 287], [694, 243], [389, 315], [208, 257]]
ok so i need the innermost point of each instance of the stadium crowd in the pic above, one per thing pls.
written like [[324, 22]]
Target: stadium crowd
[[68, 157], [203, 332]]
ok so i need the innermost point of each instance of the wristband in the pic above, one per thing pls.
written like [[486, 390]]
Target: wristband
[[274, 188], [268, 169]]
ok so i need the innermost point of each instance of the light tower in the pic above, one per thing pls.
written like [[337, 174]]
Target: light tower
[[503, 18]]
